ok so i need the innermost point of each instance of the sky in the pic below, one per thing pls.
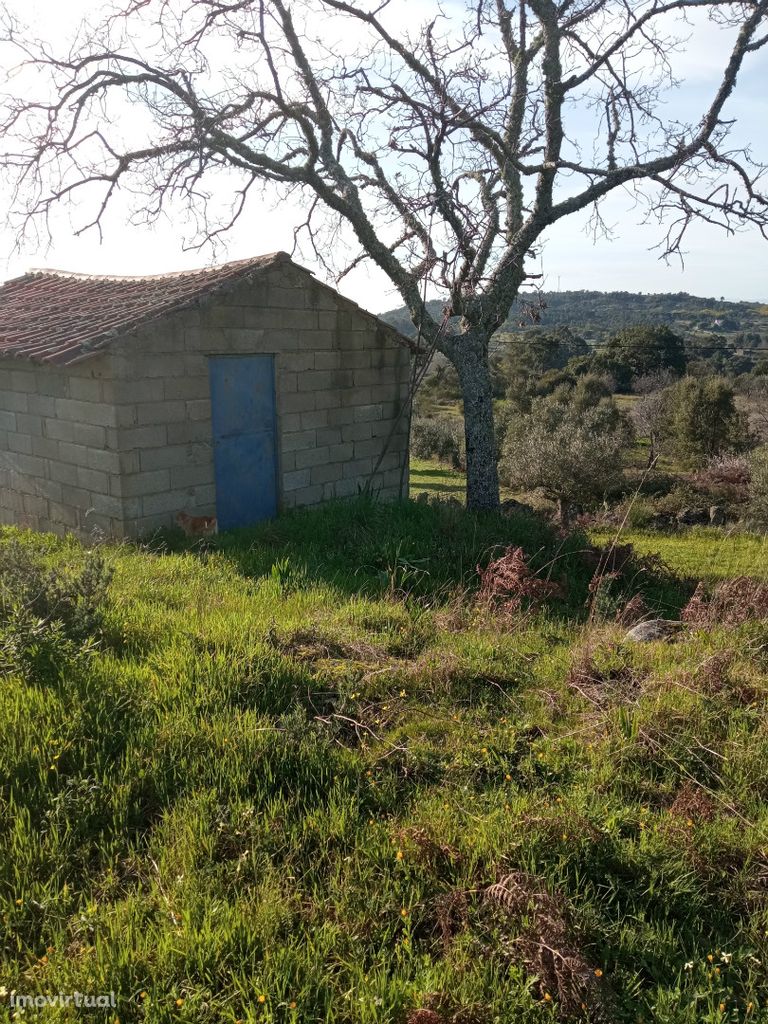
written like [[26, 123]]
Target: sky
[[734, 267]]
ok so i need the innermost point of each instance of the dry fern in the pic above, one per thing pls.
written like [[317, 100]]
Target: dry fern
[[547, 946]]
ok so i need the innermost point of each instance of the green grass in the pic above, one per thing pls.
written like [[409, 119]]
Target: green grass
[[436, 480], [278, 784], [700, 553]]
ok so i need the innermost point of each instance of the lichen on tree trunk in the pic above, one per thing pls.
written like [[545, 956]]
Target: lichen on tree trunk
[[471, 362]]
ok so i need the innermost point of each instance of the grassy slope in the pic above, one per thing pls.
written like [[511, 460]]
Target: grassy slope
[[279, 787]]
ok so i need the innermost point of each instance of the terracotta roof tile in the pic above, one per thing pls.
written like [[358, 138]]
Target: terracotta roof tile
[[51, 316]]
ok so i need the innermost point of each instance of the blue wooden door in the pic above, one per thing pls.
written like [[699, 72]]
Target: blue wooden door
[[244, 438]]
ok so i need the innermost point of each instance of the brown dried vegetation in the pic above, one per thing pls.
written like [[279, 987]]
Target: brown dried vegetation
[[548, 947], [731, 602], [508, 582]]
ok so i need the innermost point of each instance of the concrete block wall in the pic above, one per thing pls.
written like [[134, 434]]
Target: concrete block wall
[[341, 380], [59, 462]]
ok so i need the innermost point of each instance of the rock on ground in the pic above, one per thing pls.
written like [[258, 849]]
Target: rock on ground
[[652, 629]]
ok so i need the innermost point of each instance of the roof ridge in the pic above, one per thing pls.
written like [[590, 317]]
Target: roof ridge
[[54, 316], [279, 256]]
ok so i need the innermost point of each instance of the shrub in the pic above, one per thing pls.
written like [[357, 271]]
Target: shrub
[[440, 438], [508, 581], [758, 487], [681, 497], [74, 598], [653, 484], [725, 478], [441, 384], [729, 603], [570, 456], [48, 615], [703, 421], [731, 470]]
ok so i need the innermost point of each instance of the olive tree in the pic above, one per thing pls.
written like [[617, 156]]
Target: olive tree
[[650, 416], [572, 455], [702, 420], [446, 147]]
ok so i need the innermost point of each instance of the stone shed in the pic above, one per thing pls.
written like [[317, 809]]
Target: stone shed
[[235, 391]]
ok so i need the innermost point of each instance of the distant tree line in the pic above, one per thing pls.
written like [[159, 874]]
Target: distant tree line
[[709, 323]]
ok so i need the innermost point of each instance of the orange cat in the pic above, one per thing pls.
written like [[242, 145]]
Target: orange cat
[[197, 526]]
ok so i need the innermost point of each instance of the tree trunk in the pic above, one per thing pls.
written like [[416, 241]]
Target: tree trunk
[[470, 357], [651, 451], [563, 513]]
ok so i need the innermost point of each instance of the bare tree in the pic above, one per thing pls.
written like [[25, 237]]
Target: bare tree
[[650, 413], [448, 149]]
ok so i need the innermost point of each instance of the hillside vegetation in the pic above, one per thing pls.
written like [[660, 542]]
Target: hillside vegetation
[[324, 771], [595, 315]]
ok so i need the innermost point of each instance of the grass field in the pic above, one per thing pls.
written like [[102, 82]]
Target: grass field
[[700, 553], [278, 778], [439, 481]]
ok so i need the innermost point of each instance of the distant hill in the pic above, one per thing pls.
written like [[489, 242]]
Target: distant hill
[[597, 315]]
